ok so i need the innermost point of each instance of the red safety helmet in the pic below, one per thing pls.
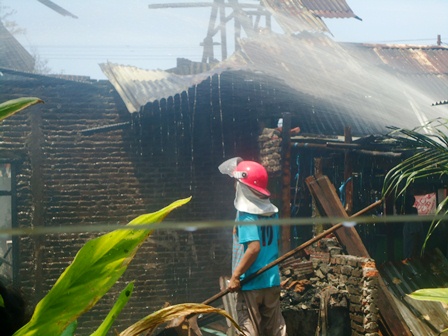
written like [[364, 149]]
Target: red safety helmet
[[254, 175]]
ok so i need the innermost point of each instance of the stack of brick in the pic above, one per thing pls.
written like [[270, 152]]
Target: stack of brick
[[333, 280], [359, 276], [270, 150]]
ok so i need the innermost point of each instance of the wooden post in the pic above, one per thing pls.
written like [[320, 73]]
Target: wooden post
[[208, 53], [237, 32], [286, 180], [222, 27], [318, 171], [329, 204], [390, 243], [268, 21], [348, 171]]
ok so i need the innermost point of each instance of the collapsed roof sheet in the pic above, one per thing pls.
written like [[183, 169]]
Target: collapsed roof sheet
[[405, 277], [294, 17], [138, 87], [330, 8], [345, 82], [305, 15]]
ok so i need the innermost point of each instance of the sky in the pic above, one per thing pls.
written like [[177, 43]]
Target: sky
[[128, 32]]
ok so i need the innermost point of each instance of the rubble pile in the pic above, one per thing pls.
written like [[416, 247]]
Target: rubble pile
[[327, 290]]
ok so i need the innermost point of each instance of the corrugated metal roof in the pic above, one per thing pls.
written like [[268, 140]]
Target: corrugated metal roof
[[12, 54], [294, 17], [137, 87], [305, 15], [423, 67], [409, 59], [431, 271], [359, 85], [330, 8]]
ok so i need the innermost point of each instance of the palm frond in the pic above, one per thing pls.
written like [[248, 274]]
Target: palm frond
[[430, 157], [441, 210], [149, 323], [419, 137]]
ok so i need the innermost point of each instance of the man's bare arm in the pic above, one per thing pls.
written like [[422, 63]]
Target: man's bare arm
[[249, 256]]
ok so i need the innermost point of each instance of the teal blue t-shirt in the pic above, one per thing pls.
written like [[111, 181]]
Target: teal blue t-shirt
[[268, 236]]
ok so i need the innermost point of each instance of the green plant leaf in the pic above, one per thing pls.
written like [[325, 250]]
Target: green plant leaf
[[431, 294], [115, 311], [151, 322], [70, 330], [441, 210], [13, 106], [429, 158], [2, 302], [96, 267]]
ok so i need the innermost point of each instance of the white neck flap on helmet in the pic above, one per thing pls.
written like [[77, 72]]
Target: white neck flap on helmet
[[247, 201]]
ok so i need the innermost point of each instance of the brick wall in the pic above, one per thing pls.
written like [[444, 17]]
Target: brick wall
[[359, 277], [68, 178], [330, 291]]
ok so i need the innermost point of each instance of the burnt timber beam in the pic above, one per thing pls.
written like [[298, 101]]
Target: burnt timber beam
[[348, 171], [342, 147], [58, 9], [222, 27], [208, 53], [329, 204], [318, 171], [286, 180], [227, 19], [237, 34], [242, 17]]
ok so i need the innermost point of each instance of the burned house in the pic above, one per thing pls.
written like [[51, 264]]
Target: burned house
[[103, 152], [328, 89]]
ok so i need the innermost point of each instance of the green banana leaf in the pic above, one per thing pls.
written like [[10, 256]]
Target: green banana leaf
[[124, 297], [13, 106], [431, 294], [149, 323], [70, 330], [96, 267]]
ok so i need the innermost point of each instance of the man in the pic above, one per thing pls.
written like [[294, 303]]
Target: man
[[258, 301]]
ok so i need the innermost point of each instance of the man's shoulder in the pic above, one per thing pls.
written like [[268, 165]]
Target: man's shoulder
[[246, 217]]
